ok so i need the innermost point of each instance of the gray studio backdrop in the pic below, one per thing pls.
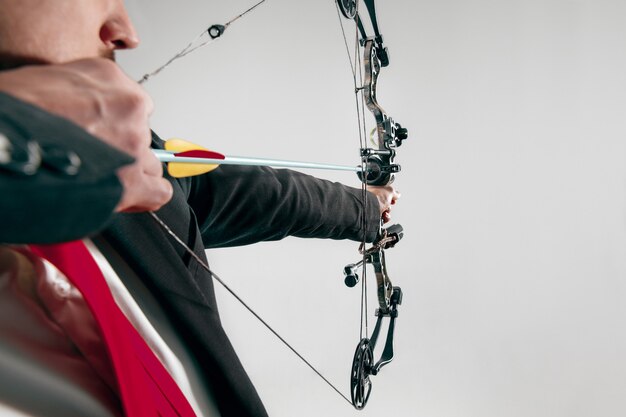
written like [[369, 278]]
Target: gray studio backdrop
[[513, 264]]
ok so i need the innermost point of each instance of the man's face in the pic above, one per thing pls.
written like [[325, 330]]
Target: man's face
[[56, 31]]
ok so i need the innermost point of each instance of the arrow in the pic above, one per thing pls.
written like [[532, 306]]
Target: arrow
[[186, 159]]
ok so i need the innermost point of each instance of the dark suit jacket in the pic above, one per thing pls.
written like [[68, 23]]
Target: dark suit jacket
[[230, 206], [48, 205]]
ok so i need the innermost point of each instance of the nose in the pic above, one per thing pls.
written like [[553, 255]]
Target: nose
[[118, 32]]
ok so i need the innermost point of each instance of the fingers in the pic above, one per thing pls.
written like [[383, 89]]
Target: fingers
[[97, 95], [387, 196], [394, 197], [142, 191], [386, 216], [120, 117]]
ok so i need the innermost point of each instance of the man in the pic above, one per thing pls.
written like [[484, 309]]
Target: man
[[88, 125]]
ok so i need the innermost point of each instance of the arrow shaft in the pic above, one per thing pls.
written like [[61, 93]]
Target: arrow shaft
[[168, 156]]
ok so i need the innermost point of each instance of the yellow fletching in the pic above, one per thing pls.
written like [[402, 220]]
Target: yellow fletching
[[182, 145], [178, 170], [182, 170]]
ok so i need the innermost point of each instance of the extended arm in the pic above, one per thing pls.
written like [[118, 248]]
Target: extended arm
[[243, 205]]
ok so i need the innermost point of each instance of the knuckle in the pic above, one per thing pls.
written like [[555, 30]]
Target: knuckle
[[166, 191], [133, 143], [133, 101], [148, 103], [136, 106]]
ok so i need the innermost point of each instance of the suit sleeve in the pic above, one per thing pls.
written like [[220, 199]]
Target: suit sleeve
[[57, 182], [243, 205]]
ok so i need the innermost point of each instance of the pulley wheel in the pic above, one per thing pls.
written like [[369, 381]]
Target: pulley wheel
[[360, 384], [348, 8]]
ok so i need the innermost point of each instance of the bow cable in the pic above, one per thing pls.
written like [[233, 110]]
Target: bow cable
[[212, 34], [206, 267], [357, 77]]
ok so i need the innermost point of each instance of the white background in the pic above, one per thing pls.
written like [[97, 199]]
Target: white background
[[513, 264]]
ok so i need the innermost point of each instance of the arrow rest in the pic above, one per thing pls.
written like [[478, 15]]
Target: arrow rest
[[379, 170]]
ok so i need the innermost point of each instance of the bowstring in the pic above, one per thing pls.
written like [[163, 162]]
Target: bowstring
[[191, 46], [357, 76], [183, 52], [206, 267], [356, 68], [243, 13]]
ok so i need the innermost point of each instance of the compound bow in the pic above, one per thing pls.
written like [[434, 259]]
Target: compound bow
[[378, 168]]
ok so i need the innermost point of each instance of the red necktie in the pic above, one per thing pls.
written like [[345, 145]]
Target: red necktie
[[145, 386]]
